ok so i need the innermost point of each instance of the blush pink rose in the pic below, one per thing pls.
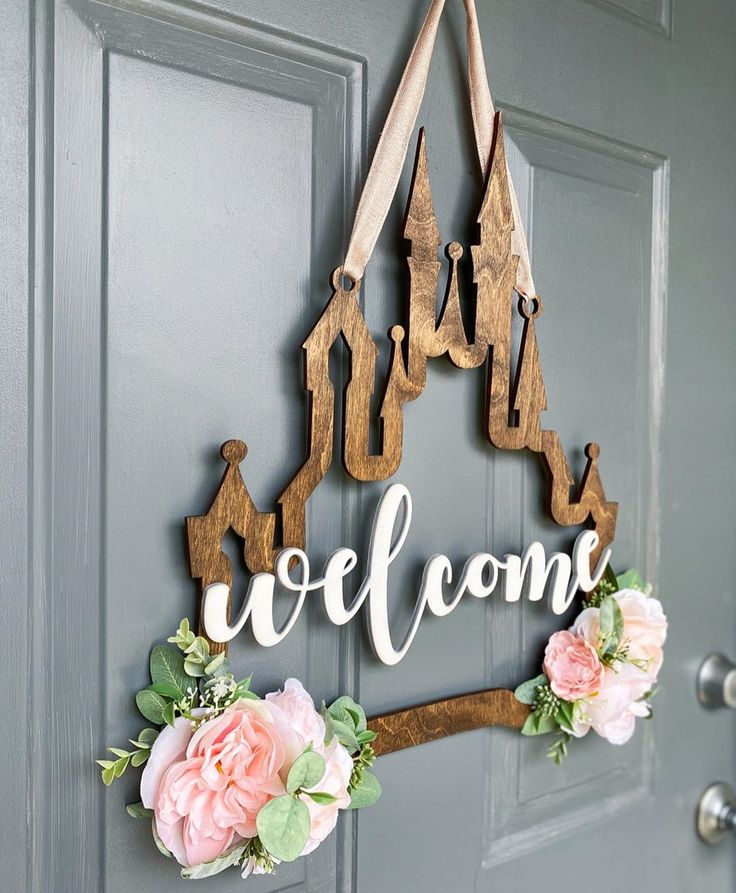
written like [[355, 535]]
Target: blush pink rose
[[572, 666], [612, 711], [645, 628], [307, 728], [305, 723], [207, 787]]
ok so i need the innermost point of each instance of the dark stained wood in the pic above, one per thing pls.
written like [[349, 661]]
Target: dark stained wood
[[463, 713], [515, 399]]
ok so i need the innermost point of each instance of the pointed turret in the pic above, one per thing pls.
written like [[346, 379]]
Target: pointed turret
[[529, 397]]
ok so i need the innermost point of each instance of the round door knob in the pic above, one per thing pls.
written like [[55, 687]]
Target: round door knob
[[716, 813], [717, 682]]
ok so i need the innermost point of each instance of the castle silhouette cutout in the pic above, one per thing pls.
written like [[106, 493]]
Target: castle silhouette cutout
[[515, 394]]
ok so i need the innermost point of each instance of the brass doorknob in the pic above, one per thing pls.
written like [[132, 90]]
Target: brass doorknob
[[717, 682], [716, 813]]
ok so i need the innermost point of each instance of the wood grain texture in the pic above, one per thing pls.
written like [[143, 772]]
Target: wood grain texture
[[463, 713], [515, 399]]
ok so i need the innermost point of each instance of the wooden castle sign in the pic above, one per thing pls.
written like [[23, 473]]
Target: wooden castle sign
[[515, 399]]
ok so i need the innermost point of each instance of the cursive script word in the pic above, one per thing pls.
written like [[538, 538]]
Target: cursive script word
[[479, 578]]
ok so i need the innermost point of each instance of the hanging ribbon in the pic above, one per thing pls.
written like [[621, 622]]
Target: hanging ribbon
[[388, 160]]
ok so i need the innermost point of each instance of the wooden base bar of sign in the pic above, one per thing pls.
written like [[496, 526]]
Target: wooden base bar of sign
[[463, 713]]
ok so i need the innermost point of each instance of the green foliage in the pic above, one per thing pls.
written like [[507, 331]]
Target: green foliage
[[539, 724], [138, 811], [526, 692], [366, 793], [112, 769], [610, 577], [197, 657], [565, 713], [242, 690], [209, 869], [320, 797], [329, 723], [217, 666], [167, 672], [306, 771], [611, 626], [151, 705], [345, 710], [546, 702], [183, 637], [632, 579], [347, 721], [283, 826], [557, 751]]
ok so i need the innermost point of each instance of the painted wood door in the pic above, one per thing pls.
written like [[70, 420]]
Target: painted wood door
[[178, 182]]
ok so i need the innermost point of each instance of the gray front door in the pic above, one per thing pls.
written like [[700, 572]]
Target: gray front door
[[178, 182]]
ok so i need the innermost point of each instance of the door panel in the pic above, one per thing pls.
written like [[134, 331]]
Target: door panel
[[189, 172]]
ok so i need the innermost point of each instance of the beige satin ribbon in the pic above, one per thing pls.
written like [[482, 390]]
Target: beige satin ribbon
[[388, 160]]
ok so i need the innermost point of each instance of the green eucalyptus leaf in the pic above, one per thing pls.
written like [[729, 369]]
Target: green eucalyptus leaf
[[283, 826], [329, 724], [632, 579], [564, 715], [167, 690], [139, 758], [527, 691], [320, 797], [169, 713], [119, 752], [138, 811], [120, 766], [151, 705], [366, 793], [539, 724], [210, 869], [146, 737], [108, 775], [200, 648], [106, 764], [157, 840], [611, 624], [167, 668], [346, 736], [193, 668], [306, 771], [367, 736], [345, 709], [215, 664]]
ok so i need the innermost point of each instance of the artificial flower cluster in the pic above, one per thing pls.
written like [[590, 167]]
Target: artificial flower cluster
[[235, 780], [602, 672]]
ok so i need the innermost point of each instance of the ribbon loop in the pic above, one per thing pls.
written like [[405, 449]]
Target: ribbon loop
[[388, 159]]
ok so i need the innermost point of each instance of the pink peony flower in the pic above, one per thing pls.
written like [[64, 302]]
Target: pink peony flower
[[307, 725], [308, 728], [645, 628], [572, 666], [207, 787], [612, 711]]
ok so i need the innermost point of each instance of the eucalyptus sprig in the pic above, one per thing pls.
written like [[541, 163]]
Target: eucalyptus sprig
[[112, 769], [346, 719], [185, 681]]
